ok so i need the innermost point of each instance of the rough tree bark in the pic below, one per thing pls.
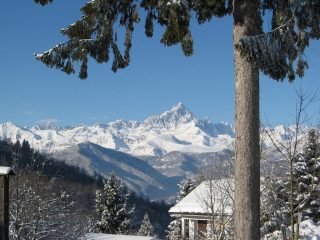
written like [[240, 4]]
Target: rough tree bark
[[247, 22]]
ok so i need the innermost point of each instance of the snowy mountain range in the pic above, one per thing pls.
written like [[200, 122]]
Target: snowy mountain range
[[174, 130], [151, 156]]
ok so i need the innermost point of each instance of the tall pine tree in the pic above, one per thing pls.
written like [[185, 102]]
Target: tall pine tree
[[114, 215], [278, 54]]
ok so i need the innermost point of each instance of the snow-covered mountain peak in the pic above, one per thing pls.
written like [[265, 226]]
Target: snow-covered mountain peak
[[177, 115], [179, 107], [8, 128], [121, 124]]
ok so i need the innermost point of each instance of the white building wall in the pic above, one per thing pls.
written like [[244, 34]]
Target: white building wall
[[193, 229]]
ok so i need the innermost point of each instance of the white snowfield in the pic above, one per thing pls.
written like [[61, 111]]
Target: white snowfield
[[101, 236], [308, 230], [209, 196]]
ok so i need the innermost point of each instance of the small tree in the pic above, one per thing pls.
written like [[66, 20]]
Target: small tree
[[114, 215], [146, 228], [174, 230]]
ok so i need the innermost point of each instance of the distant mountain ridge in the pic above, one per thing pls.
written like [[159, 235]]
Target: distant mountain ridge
[[174, 130]]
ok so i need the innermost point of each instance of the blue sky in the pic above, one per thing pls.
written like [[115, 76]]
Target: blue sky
[[158, 77]]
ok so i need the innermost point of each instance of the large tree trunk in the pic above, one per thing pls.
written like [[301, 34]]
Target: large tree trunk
[[247, 22]]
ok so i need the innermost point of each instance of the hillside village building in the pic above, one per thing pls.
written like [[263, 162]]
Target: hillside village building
[[206, 211]]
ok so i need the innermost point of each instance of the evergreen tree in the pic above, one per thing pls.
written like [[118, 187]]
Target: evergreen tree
[[278, 54], [185, 187], [26, 152], [146, 228], [114, 215], [274, 211], [174, 230], [306, 179]]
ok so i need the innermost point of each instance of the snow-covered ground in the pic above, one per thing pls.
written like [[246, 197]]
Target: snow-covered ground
[[308, 231], [100, 236]]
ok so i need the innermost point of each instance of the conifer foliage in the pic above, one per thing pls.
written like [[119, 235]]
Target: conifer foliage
[[146, 228], [114, 215], [43, 2], [278, 53], [95, 35]]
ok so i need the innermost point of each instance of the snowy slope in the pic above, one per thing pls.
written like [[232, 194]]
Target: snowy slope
[[174, 130]]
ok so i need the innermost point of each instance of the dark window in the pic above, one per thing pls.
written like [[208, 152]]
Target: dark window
[[202, 228]]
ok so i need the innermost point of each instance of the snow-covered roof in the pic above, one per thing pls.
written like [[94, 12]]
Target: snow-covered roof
[[215, 195], [6, 171], [101, 236]]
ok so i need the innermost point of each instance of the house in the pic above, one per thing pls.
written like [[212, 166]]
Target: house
[[207, 210]]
